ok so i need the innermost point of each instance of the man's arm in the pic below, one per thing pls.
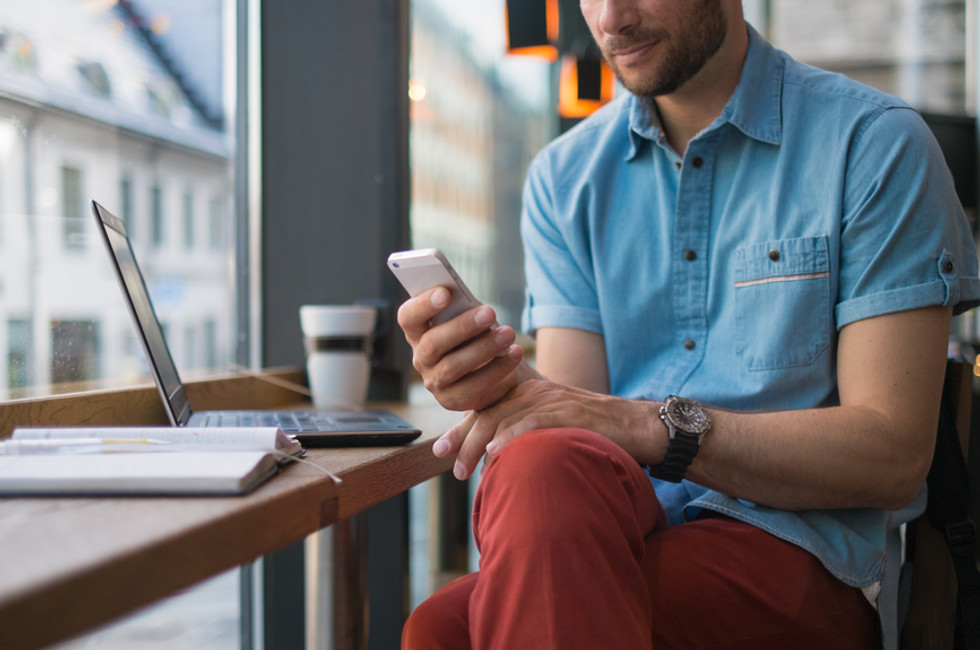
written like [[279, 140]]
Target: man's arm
[[572, 357], [871, 451]]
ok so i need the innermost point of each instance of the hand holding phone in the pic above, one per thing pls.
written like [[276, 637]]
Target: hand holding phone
[[478, 379], [424, 268]]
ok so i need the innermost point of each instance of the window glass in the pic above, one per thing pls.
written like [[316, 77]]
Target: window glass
[[216, 222], [123, 103], [916, 49], [188, 220], [74, 350], [126, 205], [156, 216], [17, 337], [72, 208], [477, 117]]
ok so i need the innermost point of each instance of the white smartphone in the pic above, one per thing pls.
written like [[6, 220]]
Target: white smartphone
[[425, 268]]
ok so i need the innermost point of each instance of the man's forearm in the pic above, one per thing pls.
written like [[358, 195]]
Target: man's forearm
[[872, 451], [837, 457]]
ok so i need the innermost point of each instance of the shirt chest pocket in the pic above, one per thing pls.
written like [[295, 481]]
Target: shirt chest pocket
[[782, 302]]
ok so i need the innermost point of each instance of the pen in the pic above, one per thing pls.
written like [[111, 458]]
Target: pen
[[14, 447]]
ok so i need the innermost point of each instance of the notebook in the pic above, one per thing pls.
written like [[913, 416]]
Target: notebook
[[164, 473], [311, 427], [141, 460]]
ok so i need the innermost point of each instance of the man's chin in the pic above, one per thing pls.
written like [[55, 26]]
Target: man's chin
[[642, 87], [639, 84]]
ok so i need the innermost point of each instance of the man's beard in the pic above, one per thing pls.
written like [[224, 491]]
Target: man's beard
[[704, 30]]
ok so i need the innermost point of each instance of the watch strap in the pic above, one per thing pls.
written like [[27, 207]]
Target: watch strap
[[680, 454]]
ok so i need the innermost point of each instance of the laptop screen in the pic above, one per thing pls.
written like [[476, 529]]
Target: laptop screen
[[141, 309]]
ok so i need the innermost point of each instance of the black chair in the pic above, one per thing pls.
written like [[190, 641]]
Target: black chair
[[943, 590]]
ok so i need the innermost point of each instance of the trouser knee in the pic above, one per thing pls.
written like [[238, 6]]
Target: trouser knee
[[552, 483]]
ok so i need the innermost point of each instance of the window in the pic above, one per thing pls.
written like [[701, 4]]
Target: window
[[190, 347], [916, 50], [210, 343], [78, 122], [126, 205], [75, 348], [215, 223], [188, 220], [124, 103], [18, 347], [156, 217], [477, 118], [72, 205]]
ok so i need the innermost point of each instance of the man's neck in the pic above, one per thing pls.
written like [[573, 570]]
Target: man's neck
[[695, 105]]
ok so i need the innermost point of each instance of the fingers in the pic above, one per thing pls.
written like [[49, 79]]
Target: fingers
[[529, 406], [473, 377], [457, 439], [450, 442], [468, 362], [415, 314], [486, 433], [468, 440], [500, 424], [536, 404], [460, 346], [432, 343]]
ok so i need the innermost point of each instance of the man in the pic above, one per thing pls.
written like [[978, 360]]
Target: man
[[777, 243]]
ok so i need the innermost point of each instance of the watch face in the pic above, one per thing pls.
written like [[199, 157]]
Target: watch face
[[688, 416]]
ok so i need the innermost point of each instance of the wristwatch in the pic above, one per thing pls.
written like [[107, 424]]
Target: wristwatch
[[687, 423]]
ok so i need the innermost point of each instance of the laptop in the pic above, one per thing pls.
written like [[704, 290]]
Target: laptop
[[312, 428]]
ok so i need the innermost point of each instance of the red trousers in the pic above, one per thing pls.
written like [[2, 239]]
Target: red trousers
[[575, 553]]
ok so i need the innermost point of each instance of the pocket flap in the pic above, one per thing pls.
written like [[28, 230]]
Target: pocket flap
[[782, 260]]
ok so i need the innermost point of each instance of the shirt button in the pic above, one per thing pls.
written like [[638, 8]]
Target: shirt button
[[689, 344], [690, 255], [697, 162], [678, 165], [947, 267], [774, 255]]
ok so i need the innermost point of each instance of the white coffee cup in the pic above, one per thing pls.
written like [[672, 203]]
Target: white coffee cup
[[338, 340]]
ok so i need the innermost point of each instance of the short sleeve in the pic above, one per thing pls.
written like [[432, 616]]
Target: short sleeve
[[905, 242], [561, 287]]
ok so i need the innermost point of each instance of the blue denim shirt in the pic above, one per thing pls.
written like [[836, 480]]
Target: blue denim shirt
[[725, 275]]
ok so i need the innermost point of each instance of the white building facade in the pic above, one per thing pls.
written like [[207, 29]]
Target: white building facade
[[89, 111]]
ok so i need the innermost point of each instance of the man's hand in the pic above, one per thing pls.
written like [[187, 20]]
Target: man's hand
[[632, 424], [468, 362]]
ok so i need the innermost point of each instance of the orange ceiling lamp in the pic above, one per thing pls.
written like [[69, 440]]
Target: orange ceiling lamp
[[584, 86], [532, 28]]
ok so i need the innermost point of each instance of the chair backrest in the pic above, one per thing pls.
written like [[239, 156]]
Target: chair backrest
[[931, 621]]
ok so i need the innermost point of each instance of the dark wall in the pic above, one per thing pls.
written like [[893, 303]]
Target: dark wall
[[335, 167]]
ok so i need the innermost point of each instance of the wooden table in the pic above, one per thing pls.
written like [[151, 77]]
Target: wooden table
[[70, 564]]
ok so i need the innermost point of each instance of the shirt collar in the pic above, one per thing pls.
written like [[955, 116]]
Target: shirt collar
[[754, 107]]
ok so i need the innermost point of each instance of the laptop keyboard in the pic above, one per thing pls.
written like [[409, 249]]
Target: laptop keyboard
[[288, 421]]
